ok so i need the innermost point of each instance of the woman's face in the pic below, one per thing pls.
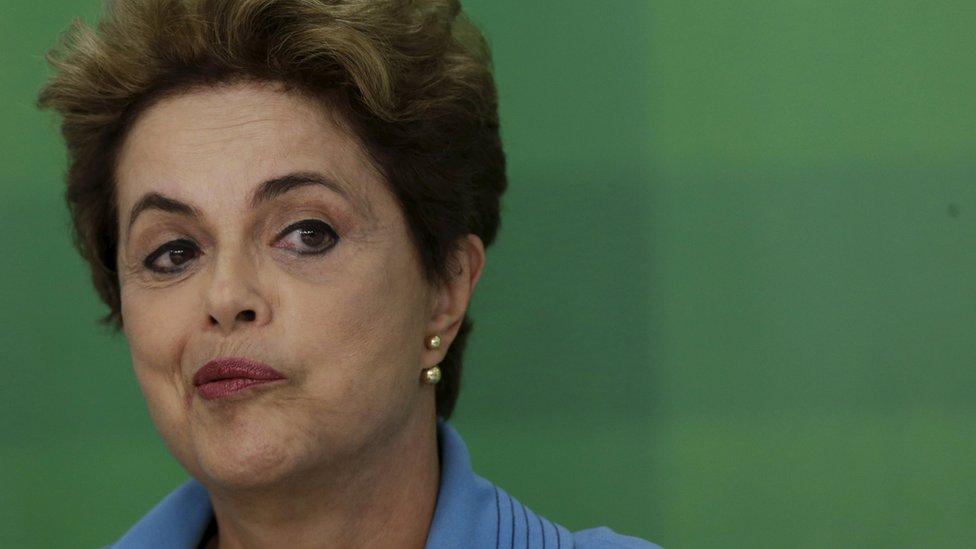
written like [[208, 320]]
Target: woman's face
[[336, 303]]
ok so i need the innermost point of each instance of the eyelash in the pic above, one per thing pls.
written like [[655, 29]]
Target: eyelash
[[185, 244]]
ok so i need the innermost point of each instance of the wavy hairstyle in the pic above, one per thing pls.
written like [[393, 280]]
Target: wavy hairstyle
[[414, 79]]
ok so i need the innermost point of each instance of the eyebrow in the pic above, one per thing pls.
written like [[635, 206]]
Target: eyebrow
[[265, 192]]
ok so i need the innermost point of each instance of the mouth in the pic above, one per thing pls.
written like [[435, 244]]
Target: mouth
[[228, 376]]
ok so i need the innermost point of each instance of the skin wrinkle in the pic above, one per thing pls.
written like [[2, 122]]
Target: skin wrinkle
[[345, 449]]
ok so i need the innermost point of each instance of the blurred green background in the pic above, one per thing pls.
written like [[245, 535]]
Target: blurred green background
[[732, 302]]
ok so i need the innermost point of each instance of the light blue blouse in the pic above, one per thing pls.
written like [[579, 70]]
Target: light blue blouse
[[471, 512]]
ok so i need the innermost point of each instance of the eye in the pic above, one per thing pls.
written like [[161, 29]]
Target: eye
[[308, 237], [170, 257]]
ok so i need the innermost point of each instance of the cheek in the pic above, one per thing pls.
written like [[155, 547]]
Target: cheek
[[363, 339], [154, 324], [155, 330]]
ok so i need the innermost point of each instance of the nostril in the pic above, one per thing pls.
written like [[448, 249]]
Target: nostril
[[246, 315]]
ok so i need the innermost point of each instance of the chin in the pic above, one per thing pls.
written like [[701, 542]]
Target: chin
[[245, 460]]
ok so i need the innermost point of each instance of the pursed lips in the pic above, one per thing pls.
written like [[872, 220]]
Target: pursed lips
[[226, 376]]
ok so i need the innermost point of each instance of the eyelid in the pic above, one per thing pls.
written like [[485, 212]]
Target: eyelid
[[304, 222], [167, 247], [190, 242]]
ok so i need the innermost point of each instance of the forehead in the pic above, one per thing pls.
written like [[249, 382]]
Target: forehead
[[217, 142]]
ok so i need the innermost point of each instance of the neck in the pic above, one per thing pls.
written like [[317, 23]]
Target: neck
[[385, 499]]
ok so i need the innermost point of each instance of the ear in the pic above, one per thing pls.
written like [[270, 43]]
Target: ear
[[450, 301]]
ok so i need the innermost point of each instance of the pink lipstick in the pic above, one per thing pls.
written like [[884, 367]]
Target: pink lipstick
[[227, 376]]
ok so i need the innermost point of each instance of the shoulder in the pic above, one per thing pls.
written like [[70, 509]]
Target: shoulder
[[179, 520], [474, 512], [603, 537]]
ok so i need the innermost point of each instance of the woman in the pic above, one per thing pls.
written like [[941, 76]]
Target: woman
[[285, 206]]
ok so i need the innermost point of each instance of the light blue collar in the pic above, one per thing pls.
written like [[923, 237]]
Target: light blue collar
[[471, 512]]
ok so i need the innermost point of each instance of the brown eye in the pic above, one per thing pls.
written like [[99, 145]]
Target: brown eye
[[170, 257], [309, 237]]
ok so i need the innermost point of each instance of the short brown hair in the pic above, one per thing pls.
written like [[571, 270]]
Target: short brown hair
[[415, 79]]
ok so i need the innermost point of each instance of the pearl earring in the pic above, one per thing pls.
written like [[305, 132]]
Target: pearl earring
[[432, 375]]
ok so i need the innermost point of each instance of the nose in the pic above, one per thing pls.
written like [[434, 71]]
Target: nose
[[234, 299]]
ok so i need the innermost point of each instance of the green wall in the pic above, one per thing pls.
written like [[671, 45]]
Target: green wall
[[732, 302]]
